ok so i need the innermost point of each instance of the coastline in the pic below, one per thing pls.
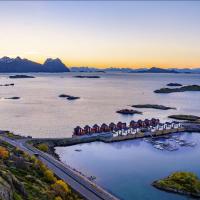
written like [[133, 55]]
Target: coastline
[[28, 143], [175, 191]]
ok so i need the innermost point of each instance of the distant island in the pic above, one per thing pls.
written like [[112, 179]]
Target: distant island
[[132, 70], [19, 65], [14, 98], [180, 89], [185, 183], [174, 84], [128, 112], [80, 76], [185, 117], [68, 97], [154, 106], [7, 84], [158, 70], [21, 76]]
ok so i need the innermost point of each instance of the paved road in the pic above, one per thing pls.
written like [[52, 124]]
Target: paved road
[[79, 183]]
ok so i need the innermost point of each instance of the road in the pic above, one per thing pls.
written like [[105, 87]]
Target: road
[[78, 182]]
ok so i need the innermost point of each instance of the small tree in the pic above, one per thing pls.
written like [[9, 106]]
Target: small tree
[[43, 147], [4, 154], [58, 198], [61, 189], [50, 176], [42, 167]]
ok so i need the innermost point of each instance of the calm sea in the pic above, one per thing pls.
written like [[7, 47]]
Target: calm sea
[[127, 168], [41, 113]]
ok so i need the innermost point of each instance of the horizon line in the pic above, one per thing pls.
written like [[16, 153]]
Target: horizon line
[[39, 61]]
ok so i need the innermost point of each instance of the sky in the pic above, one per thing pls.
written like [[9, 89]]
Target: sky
[[103, 33]]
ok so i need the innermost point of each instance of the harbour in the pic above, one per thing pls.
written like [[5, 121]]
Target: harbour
[[142, 163]]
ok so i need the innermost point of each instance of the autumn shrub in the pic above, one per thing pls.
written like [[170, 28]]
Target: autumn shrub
[[49, 175], [61, 189], [4, 154], [58, 198], [40, 166], [43, 147]]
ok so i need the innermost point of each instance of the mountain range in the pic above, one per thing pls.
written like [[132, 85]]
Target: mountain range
[[139, 70], [19, 65]]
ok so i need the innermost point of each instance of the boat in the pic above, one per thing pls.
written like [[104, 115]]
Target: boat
[[78, 150], [172, 148], [147, 140], [175, 137], [157, 146], [181, 143], [159, 142], [192, 144]]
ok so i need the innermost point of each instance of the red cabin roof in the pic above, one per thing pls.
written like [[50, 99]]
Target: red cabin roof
[[104, 125], [96, 126]]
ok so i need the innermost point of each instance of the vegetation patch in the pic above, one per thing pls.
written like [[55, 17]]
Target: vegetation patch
[[186, 183], [25, 177], [43, 147]]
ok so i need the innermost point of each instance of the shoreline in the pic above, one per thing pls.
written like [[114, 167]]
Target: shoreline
[[175, 191], [64, 142]]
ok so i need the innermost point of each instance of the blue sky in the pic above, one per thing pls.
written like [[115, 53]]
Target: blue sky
[[99, 33]]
